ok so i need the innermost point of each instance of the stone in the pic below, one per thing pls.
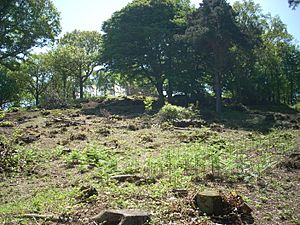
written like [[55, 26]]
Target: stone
[[210, 202], [122, 217]]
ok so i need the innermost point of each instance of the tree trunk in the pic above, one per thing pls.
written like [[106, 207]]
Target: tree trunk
[[37, 92], [74, 94], [65, 89], [37, 99], [218, 92], [159, 88], [291, 92], [81, 88]]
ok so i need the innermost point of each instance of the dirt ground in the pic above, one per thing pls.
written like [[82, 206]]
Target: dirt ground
[[51, 182]]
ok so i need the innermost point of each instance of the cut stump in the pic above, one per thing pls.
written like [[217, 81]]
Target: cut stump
[[210, 203], [122, 217]]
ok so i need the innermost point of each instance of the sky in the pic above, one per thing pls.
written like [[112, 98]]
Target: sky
[[90, 14]]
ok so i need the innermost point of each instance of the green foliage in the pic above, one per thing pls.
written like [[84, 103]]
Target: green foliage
[[15, 158], [6, 124], [138, 39], [294, 3], [213, 28], [2, 114], [55, 199], [94, 157], [221, 158], [171, 112], [30, 23], [148, 103], [10, 86], [38, 74], [87, 47]]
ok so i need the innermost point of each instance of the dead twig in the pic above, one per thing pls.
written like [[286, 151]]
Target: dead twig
[[46, 217]]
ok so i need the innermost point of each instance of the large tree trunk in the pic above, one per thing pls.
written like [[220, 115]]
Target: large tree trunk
[[81, 88], [291, 92], [170, 91], [37, 92], [74, 94], [218, 92], [159, 88], [37, 99], [65, 89]]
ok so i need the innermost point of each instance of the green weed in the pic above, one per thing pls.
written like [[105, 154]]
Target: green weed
[[148, 103], [50, 200], [93, 156], [171, 112], [6, 124]]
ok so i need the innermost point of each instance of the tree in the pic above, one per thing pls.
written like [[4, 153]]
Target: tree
[[7, 89], [11, 86], [294, 3], [240, 81], [272, 78], [88, 48], [63, 62], [138, 38], [26, 24], [213, 30], [37, 75]]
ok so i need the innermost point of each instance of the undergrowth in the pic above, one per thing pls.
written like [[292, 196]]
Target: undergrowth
[[172, 112]]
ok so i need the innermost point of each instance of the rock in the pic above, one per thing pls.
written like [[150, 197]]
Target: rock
[[122, 217], [210, 202]]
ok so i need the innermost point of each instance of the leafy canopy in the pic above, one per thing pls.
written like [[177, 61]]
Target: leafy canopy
[[26, 24]]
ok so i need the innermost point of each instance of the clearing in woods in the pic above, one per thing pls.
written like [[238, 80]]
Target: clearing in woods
[[73, 163]]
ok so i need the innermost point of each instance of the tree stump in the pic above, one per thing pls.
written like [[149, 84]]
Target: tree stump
[[122, 217], [210, 203]]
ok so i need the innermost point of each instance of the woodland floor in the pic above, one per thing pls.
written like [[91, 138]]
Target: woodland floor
[[67, 158]]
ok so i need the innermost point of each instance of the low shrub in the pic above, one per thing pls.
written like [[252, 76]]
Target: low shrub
[[171, 112]]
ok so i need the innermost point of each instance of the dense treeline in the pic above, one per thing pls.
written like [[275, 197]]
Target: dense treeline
[[153, 47]]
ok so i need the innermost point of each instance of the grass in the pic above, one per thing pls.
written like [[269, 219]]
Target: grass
[[48, 200]]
